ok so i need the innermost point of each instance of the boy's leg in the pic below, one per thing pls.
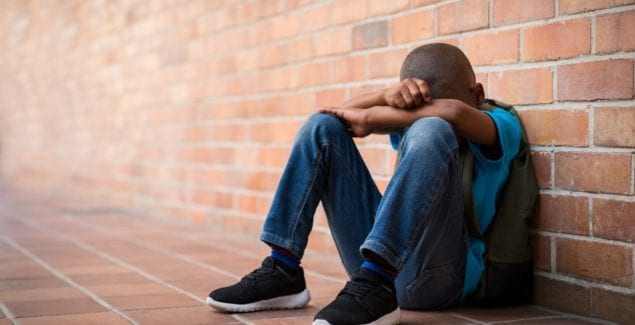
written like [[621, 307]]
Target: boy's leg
[[324, 165], [419, 231]]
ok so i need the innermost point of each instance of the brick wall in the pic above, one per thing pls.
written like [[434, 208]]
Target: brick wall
[[188, 108]]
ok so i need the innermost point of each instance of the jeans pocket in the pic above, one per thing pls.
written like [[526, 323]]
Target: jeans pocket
[[435, 288]]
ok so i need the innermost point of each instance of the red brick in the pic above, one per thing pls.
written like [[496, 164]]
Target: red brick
[[300, 49], [611, 79], [557, 127], [614, 127], [556, 40], [542, 166], [560, 213], [274, 132], [369, 35], [413, 27], [615, 32], [346, 11], [330, 97], [515, 11], [541, 247], [522, 86], [574, 6], [614, 219], [314, 74], [567, 297], [334, 41], [593, 172], [386, 64], [417, 3], [376, 7], [595, 261], [613, 306], [349, 68], [480, 51], [463, 16]]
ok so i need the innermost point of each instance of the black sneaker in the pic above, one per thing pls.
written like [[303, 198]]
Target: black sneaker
[[272, 286], [366, 299]]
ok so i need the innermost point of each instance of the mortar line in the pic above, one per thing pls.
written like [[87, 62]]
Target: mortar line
[[68, 280]]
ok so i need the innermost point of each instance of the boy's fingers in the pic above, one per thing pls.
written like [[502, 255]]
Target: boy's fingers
[[425, 90], [407, 97], [415, 92]]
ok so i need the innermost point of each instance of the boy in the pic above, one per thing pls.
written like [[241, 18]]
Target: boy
[[408, 248]]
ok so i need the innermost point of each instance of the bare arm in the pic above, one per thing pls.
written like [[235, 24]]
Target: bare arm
[[408, 94], [468, 122]]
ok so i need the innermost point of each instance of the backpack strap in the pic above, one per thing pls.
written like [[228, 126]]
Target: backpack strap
[[467, 178]]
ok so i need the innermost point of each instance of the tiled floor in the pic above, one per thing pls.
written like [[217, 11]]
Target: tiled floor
[[70, 263]]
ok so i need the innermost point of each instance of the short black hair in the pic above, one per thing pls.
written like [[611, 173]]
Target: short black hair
[[444, 67]]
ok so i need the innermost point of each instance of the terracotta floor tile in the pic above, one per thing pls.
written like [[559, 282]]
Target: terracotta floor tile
[[102, 279], [5, 322], [201, 288], [31, 283], [308, 311], [183, 315], [21, 269], [76, 319], [501, 314], [41, 294], [409, 317], [562, 320], [131, 289], [94, 269], [285, 321], [152, 301], [53, 307]]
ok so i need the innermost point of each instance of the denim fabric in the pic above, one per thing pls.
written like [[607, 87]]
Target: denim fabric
[[417, 226]]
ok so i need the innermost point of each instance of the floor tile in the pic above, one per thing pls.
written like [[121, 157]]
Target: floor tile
[[41, 294], [104, 279], [183, 315], [308, 311], [132, 289], [562, 320], [151, 301], [53, 307], [76, 319], [501, 314], [31, 283], [285, 321], [433, 318]]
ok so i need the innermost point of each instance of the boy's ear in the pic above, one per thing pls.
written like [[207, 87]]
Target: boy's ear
[[478, 93]]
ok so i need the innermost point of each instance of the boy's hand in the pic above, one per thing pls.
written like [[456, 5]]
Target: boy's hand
[[408, 94], [355, 118]]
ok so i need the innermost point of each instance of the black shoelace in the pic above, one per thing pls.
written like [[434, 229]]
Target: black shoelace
[[357, 289], [257, 274]]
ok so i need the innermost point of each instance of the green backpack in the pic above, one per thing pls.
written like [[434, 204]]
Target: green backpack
[[508, 275]]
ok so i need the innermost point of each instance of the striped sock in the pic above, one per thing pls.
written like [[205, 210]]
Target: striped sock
[[389, 275], [285, 257]]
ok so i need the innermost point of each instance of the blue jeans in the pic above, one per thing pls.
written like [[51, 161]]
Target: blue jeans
[[417, 226]]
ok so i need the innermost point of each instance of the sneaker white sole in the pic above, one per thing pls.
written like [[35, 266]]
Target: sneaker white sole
[[388, 319], [293, 301]]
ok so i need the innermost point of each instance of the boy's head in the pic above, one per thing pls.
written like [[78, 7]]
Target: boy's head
[[447, 71]]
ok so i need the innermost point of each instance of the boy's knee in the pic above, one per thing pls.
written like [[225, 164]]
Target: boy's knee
[[430, 131], [324, 125]]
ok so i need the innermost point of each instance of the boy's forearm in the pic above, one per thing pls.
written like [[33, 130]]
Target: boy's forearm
[[367, 100]]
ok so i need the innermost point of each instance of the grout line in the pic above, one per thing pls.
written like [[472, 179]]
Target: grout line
[[529, 319], [125, 265], [474, 321], [5, 310], [68, 280], [110, 258], [193, 261]]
